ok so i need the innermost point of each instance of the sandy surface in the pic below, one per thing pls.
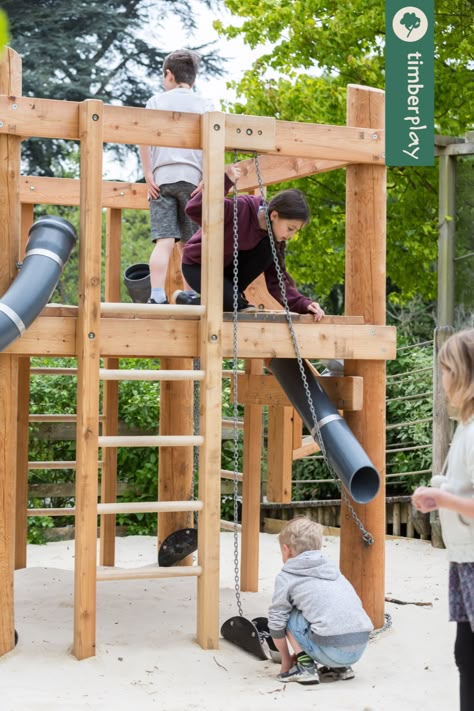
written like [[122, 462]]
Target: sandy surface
[[147, 657]]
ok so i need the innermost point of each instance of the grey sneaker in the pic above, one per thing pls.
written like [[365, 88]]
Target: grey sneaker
[[306, 674], [158, 303], [335, 673], [186, 298]]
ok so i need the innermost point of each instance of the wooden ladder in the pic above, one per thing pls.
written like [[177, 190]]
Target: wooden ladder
[[90, 373]]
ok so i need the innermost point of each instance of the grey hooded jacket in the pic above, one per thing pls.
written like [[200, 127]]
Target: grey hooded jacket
[[314, 585]]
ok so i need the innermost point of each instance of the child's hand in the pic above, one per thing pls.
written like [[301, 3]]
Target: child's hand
[[153, 188], [233, 172], [424, 499], [317, 310], [197, 189]]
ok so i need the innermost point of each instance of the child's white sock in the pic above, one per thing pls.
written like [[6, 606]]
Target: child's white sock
[[158, 295]]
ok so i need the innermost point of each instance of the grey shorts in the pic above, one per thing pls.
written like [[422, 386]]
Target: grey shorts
[[167, 215]]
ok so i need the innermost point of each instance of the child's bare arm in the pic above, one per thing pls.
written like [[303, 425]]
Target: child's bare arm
[[286, 658], [145, 156]]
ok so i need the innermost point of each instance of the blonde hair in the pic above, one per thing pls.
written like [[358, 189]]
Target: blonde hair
[[457, 356], [301, 534]]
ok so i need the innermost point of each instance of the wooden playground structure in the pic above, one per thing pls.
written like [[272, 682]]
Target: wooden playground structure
[[98, 334]]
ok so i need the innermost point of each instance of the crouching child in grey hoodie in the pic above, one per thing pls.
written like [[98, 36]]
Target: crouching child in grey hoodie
[[315, 609]]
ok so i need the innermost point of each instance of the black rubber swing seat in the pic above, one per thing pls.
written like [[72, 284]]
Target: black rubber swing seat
[[177, 546], [251, 635]]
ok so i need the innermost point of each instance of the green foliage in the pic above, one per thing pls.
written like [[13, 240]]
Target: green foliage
[[409, 400], [4, 34], [96, 49], [464, 266], [317, 50], [36, 527]]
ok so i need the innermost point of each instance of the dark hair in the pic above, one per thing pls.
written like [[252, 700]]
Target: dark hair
[[290, 205], [183, 65]]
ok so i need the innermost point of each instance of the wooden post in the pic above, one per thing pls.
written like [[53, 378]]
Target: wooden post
[[446, 239], [364, 565], [251, 485], [280, 453], [88, 363], [23, 426], [10, 85], [213, 143], [175, 463], [442, 426], [108, 488]]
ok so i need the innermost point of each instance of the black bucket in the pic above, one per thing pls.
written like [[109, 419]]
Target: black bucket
[[137, 280]]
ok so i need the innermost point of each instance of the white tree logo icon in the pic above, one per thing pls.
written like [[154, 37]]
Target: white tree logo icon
[[410, 24]]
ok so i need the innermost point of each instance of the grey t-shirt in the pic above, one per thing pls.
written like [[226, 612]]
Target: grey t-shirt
[[171, 165]]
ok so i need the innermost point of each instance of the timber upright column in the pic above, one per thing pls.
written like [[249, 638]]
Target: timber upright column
[[10, 85], [175, 472], [210, 348], [365, 291]]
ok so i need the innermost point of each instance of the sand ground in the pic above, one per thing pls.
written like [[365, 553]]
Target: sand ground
[[148, 659]]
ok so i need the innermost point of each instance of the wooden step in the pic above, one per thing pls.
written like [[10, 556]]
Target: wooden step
[[130, 507], [150, 310], [137, 374], [182, 571], [151, 441]]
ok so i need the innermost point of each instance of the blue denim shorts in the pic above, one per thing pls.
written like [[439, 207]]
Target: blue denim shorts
[[329, 656]]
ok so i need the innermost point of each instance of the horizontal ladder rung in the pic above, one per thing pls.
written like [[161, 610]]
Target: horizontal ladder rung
[[55, 465], [184, 571], [53, 371], [114, 309], [128, 507], [122, 374], [151, 441], [52, 512], [58, 418], [230, 526], [227, 474]]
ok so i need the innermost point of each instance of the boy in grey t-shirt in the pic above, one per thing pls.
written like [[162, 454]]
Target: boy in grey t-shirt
[[172, 174], [315, 609]]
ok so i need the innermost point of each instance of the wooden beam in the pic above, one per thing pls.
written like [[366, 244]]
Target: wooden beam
[[65, 191], [345, 392], [47, 118], [149, 338], [278, 169]]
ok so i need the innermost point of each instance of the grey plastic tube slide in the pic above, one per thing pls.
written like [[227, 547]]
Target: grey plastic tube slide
[[344, 452], [51, 240]]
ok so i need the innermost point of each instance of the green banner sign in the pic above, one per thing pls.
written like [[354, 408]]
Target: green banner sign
[[409, 83]]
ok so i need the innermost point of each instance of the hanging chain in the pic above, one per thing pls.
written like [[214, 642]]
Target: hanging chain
[[315, 432], [235, 305]]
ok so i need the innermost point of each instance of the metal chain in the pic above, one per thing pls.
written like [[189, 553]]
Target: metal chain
[[315, 432], [235, 304]]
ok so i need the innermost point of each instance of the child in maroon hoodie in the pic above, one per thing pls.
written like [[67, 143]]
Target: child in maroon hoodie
[[288, 212]]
